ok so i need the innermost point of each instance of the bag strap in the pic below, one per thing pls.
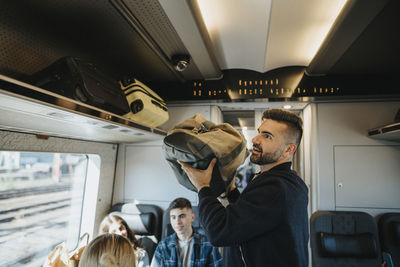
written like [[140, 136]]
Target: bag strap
[[231, 156], [85, 235], [76, 254]]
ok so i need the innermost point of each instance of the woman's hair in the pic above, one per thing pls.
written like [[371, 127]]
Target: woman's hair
[[108, 250], [110, 219]]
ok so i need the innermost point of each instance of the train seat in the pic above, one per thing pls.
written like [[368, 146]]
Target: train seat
[[145, 220], [389, 233], [167, 228], [342, 238]]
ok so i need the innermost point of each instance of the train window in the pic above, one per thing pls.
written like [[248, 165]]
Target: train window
[[41, 200]]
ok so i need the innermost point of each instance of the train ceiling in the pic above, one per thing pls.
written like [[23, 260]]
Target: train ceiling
[[251, 48]]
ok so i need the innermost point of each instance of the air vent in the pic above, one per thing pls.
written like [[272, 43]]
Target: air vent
[[109, 127]]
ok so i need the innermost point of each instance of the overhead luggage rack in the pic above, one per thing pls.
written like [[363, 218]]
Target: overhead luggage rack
[[389, 132], [27, 108]]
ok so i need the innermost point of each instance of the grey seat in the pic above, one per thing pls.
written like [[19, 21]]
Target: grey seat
[[341, 238], [389, 233], [145, 220]]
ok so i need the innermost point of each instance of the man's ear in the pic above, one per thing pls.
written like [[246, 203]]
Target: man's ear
[[289, 150], [193, 216]]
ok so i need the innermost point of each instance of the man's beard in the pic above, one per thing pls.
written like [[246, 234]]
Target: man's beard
[[266, 158]]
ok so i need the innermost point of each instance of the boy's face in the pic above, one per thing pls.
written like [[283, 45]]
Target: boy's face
[[181, 221]]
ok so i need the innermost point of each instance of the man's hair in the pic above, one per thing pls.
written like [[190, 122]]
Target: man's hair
[[180, 203], [293, 122]]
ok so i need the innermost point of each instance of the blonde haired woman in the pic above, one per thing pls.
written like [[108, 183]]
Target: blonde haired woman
[[108, 250], [114, 224]]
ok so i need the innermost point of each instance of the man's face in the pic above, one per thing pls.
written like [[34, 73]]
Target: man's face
[[269, 144], [181, 221]]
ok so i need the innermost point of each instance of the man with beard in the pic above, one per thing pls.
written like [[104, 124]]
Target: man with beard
[[267, 224]]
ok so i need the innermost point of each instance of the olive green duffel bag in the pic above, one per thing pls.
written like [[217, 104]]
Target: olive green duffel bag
[[197, 141]]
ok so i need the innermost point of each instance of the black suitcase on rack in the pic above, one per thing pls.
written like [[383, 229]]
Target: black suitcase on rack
[[83, 81]]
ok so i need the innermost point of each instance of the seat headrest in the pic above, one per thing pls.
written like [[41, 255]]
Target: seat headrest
[[355, 246], [141, 224], [144, 219], [396, 231]]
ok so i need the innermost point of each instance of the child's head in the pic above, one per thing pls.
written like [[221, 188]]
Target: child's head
[[108, 250]]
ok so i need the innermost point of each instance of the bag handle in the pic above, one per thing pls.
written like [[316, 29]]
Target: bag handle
[[231, 156], [85, 235], [76, 254], [209, 124], [204, 127]]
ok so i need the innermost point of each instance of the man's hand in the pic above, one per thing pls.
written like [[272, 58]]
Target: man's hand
[[199, 178]]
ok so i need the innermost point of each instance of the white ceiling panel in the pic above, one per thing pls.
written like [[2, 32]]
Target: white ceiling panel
[[238, 31], [297, 29]]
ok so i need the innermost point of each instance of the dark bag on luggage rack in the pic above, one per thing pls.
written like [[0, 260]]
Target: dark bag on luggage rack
[[82, 81], [197, 141]]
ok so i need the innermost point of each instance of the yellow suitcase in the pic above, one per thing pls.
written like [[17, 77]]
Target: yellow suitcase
[[146, 106]]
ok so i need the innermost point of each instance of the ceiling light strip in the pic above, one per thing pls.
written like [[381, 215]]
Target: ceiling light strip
[[353, 19]]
